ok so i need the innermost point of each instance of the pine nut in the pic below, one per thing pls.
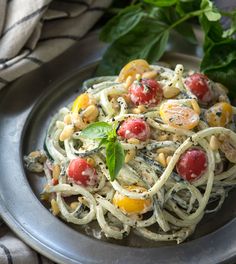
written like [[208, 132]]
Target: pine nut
[[55, 207], [195, 106], [142, 108], [166, 150], [35, 154], [223, 98], [168, 159], [90, 113], [67, 119], [133, 141], [214, 143], [170, 92], [136, 111], [78, 121], [91, 162], [74, 205], [66, 132], [56, 170], [128, 82], [130, 155], [161, 158], [149, 75]]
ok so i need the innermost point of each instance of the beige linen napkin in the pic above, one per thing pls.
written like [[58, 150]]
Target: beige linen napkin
[[33, 32]]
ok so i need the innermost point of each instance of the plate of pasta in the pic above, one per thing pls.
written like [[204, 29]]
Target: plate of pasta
[[131, 166]]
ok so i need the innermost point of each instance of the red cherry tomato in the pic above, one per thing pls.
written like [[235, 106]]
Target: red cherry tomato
[[134, 128], [192, 164], [80, 172], [198, 84], [145, 92]]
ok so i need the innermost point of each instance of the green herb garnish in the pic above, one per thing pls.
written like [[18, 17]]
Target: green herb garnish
[[107, 136], [142, 30]]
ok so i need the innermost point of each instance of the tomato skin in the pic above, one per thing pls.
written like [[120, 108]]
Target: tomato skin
[[198, 84], [134, 128], [129, 205], [80, 172], [192, 164], [146, 92]]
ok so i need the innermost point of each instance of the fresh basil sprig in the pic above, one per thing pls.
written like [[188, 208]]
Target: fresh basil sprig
[[142, 30], [106, 133]]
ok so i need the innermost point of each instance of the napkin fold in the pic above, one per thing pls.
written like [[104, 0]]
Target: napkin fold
[[31, 34], [35, 32]]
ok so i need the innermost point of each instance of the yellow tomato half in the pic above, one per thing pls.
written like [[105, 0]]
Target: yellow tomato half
[[178, 115], [219, 114], [132, 68], [81, 102], [129, 205]]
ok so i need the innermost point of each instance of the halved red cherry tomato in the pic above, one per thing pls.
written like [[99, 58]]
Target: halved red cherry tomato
[[198, 84], [82, 173], [192, 164], [134, 128], [145, 92]]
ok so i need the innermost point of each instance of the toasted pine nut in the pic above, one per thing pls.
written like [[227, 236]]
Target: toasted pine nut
[[60, 124], [56, 170], [66, 132], [128, 81], [136, 111], [127, 98], [115, 104], [90, 113], [74, 205], [162, 137], [149, 75], [166, 150], [91, 162], [133, 141], [168, 159], [67, 119], [142, 108], [35, 154], [78, 121], [223, 98], [195, 106], [214, 143], [130, 155], [170, 92], [161, 158], [55, 207]]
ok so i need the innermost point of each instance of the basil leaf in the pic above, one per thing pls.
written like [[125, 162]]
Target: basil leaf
[[121, 24], [96, 130], [114, 158], [132, 46], [226, 76], [184, 7], [211, 12], [161, 3]]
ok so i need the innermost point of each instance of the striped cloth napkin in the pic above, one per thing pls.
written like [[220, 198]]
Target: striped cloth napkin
[[33, 32]]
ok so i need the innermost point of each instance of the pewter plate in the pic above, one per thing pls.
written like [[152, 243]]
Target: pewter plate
[[26, 108]]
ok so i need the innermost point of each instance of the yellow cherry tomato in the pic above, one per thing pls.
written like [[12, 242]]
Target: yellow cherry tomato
[[179, 115], [81, 102], [132, 68], [129, 205], [219, 114]]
